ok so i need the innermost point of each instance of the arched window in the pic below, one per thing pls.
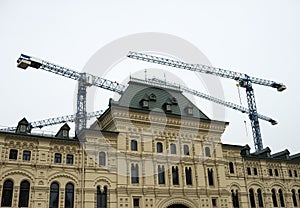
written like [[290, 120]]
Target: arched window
[[159, 147], [69, 196], [102, 197], [175, 177], [173, 148], [24, 194], [102, 158], [210, 176], [231, 169], [188, 176], [54, 195], [207, 152], [294, 198], [274, 199], [260, 198], [281, 198], [252, 198], [186, 149], [299, 194], [134, 173], [133, 145], [7, 193], [161, 174], [235, 199]]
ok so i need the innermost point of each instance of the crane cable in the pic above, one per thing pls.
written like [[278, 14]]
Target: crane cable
[[239, 93]]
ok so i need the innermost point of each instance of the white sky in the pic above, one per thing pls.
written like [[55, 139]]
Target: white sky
[[260, 38]]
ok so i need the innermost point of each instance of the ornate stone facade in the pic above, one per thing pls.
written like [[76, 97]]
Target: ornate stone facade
[[139, 155]]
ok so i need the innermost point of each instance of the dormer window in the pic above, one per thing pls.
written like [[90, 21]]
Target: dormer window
[[168, 107], [22, 128], [65, 133], [174, 100], [145, 101], [189, 110], [152, 97]]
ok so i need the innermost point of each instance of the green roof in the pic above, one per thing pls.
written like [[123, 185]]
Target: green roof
[[158, 98]]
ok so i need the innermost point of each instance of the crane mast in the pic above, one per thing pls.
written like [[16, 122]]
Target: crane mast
[[84, 80], [244, 80]]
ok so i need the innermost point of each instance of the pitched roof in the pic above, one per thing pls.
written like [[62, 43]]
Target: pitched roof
[[136, 92]]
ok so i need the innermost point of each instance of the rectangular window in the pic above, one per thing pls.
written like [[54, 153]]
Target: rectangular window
[[295, 173], [186, 149], [214, 202], [57, 158], [133, 144], [255, 171], [249, 171], [188, 176], [136, 202], [161, 174], [13, 154], [276, 172], [26, 155], [290, 173], [270, 172], [134, 173], [70, 159], [175, 177]]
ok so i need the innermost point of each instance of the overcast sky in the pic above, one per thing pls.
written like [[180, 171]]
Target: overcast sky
[[260, 38]]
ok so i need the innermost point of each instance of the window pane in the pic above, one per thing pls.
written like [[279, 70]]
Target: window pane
[[26, 155], [159, 147], [161, 174], [134, 173], [231, 170], [207, 152], [7, 193], [102, 158], [175, 177], [57, 158], [186, 150], [188, 176], [210, 177], [69, 196], [70, 159], [134, 145], [13, 154], [173, 148], [24, 194], [54, 195]]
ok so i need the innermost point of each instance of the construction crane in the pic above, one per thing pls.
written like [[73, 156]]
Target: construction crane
[[84, 80], [53, 121], [244, 80], [163, 83]]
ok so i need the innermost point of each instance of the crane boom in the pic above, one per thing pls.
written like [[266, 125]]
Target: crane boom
[[162, 83], [56, 120], [84, 80], [243, 79], [205, 69], [89, 80]]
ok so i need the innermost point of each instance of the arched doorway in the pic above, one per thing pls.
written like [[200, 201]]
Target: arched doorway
[[177, 206]]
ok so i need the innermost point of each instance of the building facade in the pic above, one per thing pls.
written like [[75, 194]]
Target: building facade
[[151, 148]]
